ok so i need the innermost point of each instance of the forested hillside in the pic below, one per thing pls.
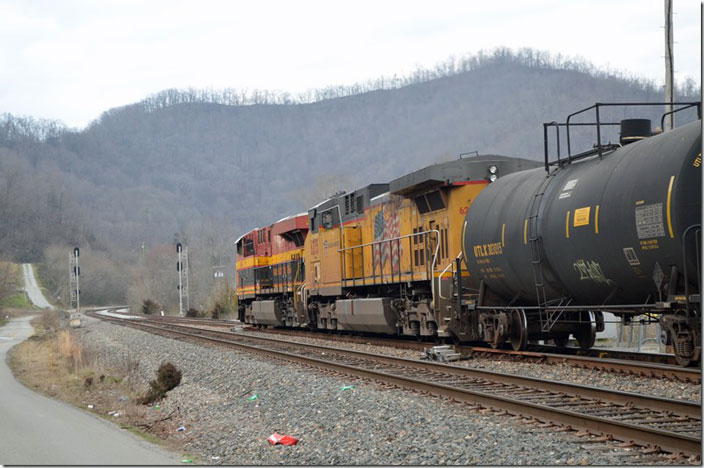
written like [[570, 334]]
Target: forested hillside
[[205, 166]]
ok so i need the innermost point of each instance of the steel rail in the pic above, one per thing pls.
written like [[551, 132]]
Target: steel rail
[[666, 440], [601, 361]]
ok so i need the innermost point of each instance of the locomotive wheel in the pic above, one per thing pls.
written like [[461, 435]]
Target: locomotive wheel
[[586, 333], [519, 330], [561, 340]]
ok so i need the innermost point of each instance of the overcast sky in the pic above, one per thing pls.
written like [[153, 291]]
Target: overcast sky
[[72, 59]]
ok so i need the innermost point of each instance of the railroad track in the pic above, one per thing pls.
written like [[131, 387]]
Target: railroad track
[[605, 360], [616, 361], [670, 425]]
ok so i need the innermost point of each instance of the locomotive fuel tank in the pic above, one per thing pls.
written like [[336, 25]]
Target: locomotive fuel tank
[[601, 230]]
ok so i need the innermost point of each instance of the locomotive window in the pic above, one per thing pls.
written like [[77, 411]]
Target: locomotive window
[[298, 238], [360, 204], [422, 204], [313, 225], [248, 247], [326, 219], [435, 200]]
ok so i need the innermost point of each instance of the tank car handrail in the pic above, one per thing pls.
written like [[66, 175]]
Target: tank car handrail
[[699, 112], [598, 123], [684, 259]]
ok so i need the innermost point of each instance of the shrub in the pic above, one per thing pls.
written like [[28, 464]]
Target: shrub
[[168, 377], [218, 310], [149, 307]]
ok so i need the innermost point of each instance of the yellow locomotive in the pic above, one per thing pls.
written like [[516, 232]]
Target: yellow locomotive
[[381, 259]]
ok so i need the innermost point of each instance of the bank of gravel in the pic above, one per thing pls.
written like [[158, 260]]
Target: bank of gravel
[[364, 425], [664, 388]]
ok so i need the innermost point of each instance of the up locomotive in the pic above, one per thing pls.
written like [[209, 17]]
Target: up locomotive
[[491, 248]]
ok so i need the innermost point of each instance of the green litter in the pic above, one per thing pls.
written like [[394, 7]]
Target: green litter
[[253, 397], [347, 387], [157, 407], [187, 460]]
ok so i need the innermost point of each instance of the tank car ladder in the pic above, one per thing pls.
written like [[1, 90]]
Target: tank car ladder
[[547, 319]]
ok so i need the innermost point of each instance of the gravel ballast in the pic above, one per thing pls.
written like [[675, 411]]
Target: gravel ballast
[[563, 372], [364, 425]]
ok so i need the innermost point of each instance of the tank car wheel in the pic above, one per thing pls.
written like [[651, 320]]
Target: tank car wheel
[[586, 334], [562, 340], [519, 330]]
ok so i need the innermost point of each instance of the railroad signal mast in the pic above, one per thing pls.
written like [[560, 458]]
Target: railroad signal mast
[[182, 268], [74, 274]]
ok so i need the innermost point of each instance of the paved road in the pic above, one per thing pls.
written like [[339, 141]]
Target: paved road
[[33, 291], [36, 430]]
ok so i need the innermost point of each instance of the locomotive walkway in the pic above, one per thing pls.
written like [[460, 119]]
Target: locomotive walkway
[[671, 425]]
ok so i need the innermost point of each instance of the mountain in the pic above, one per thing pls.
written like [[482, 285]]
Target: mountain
[[163, 167]]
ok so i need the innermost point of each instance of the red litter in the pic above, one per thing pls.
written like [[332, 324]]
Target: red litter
[[282, 439]]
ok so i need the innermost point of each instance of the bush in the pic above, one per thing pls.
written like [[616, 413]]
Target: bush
[[192, 312], [149, 307], [168, 377], [218, 310]]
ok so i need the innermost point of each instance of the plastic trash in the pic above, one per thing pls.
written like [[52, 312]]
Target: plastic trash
[[282, 439], [122, 398], [215, 457], [347, 387], [157, 407], [181, 429], [186, 460], [90, 406], [115, 415], [253, 397]]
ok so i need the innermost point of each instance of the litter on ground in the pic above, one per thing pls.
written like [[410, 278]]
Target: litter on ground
[[282, 439], [347, 387]]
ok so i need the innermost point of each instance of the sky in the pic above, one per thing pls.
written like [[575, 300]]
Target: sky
[[71, 60]]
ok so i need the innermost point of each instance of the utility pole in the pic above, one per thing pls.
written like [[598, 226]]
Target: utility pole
[[669, 67], [74, 287]]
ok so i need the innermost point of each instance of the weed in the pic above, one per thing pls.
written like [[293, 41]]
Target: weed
[[167, 378], [70, 350], [149, 307]]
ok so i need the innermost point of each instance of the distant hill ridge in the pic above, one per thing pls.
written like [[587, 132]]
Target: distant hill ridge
[[158, 167]]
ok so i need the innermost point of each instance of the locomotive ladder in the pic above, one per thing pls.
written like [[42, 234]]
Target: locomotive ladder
[[547, 319]]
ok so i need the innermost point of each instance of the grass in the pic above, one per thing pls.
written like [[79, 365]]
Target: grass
[[16, 300]]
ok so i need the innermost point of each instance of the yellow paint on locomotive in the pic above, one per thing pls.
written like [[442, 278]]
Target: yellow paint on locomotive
[[390, 243]]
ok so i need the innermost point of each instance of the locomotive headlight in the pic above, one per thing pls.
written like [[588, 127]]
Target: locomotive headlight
[[493, 177], [492, 169]]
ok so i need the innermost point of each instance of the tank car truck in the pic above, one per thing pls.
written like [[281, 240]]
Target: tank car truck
[[613, 229]]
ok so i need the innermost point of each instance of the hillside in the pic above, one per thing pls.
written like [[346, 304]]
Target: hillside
[[151, 173]]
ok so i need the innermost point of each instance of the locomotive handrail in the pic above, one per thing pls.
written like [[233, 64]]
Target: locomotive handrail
[[452, 262], [435, 255]]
